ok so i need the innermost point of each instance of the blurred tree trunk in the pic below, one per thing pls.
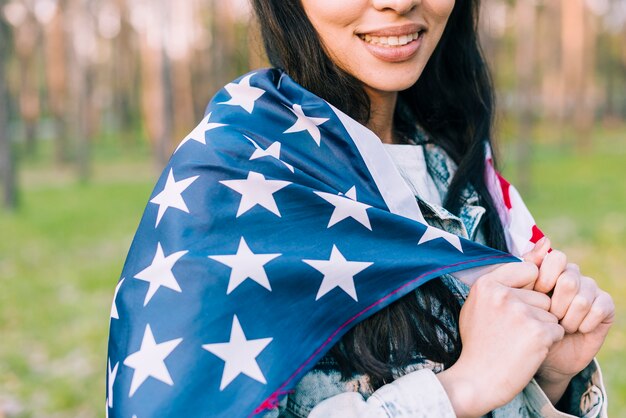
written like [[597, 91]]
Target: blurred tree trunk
[[81, 78], [611, 64], [125, 72], [156, 88], [525, 18], [26, 43], [549, 61], [576, 64], [56, 45], [223, 47], [151, 87], [584, 116], [7, 157], [164, 145], [182, 21]]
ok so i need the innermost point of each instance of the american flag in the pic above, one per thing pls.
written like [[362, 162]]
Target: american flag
[[278, 224]]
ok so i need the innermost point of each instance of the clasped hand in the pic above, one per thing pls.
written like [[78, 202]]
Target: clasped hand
[[540, 318], [585, 312]]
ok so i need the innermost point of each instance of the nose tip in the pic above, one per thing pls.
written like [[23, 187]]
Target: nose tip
[[399, 6]]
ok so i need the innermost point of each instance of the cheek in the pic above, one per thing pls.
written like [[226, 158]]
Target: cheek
[[326, 14], [334, 21], [440, 9]]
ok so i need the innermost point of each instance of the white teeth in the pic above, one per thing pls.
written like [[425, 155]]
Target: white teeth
[[390, 40]]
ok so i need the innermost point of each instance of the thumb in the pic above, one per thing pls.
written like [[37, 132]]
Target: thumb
[[516, 275], [539, 252]]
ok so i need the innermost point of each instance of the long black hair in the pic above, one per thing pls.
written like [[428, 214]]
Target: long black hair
[[453, 102]]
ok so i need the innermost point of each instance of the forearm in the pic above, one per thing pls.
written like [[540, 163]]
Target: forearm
[[459, 391]]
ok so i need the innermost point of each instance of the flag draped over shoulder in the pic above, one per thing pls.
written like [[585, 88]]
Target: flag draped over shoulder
[[278, 224]]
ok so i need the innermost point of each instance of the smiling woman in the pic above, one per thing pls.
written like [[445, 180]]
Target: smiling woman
[[380, 44], [333, 240]]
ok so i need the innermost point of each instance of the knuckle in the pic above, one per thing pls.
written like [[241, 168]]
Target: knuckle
[[538, 332], [501, 296], [609, 299], [545, 301], [598, 311], [586, 327], [569, 282], [482, 285], [581, 303], [590, 281], [529, 269], [573, 267], [605, 295], [518, 310], [560, 332], [560, 257], [558, 310], [569, 328], [543, 286], [553, 319]]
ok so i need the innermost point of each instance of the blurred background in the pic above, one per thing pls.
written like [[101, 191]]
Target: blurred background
[[95, 94]]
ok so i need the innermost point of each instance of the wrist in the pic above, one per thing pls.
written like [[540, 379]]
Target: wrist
[[553, 385], [462, 393]]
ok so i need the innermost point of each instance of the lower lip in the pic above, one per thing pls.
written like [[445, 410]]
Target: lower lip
[[394, 53]]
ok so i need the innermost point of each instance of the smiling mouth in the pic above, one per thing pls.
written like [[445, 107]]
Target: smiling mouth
[[391, 41]]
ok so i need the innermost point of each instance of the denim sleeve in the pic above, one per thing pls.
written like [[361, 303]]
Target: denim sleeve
[[417, 394], [585, 397]]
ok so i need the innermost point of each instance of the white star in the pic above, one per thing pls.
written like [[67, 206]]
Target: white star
[[305, 123], [434, 233], [271, 151], [338, 272], [149, 361], [114, 313], [112, 376], [246, 265], [159, 273], [171, 196], [347, 207], [198, 134], [242, 94], [255, 190], [239, 355]]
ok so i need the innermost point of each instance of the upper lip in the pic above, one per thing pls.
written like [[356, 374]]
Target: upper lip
[[395, 30]]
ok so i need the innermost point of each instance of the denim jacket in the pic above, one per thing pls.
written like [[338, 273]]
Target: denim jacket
[[416, 392]]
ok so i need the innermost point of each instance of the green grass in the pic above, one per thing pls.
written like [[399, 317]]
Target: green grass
[[61, 255], [60, 258], [579, 200]]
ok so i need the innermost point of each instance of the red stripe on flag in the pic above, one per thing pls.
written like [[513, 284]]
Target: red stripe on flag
[[537, 235], [505, 186]]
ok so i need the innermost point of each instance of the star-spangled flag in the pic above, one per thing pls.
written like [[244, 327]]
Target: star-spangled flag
[[281, 225]]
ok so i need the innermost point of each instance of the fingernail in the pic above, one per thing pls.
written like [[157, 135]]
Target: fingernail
[[540, 242]]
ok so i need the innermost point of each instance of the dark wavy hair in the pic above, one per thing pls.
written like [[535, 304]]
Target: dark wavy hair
[[453, 103]]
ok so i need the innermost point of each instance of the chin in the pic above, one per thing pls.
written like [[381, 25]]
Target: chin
[[390, 78], [393, 83]]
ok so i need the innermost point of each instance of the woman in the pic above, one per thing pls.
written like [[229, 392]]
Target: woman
[[284, 265], [390, 64]]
